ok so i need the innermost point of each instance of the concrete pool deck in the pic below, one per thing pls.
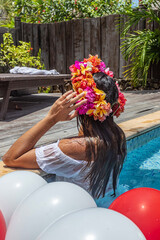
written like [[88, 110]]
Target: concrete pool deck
[[137, 104]]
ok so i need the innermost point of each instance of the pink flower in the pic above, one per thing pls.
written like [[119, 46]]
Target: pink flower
[[90, 96], [102, 67], [72, 68], [109, 73], [118, 107], [77, 64], [84, 108], [96, 8]]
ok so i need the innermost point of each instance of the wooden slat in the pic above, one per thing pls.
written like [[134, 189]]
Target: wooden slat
[[87, 37], [24, 32], [92, 37], [36, 44], [104, 40], [122, 62], [69, 45], [18, 35], [52, 46], [60, 47], [78, 39], [95, 36], [44, 44], [110, 43], [30, 33]]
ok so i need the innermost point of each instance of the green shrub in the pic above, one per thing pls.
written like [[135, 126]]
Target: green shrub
[[11, 56], [7, 13], [40, 11], [47, 11]]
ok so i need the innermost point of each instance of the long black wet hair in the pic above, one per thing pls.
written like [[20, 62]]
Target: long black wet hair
[[105, 142]]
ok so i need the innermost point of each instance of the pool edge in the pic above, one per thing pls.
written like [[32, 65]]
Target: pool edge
[[138, 126]]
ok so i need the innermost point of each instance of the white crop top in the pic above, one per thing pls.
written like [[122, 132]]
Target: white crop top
[[52, 160]]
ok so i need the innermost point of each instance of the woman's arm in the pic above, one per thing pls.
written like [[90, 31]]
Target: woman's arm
[[21, 153]]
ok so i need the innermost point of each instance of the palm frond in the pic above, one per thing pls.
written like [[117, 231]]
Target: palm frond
[[131, 18], [141, 48]]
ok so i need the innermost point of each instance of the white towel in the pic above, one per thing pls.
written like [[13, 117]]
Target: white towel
[[33, 71]]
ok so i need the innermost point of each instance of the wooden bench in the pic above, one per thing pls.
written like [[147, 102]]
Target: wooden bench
[[9, 82]]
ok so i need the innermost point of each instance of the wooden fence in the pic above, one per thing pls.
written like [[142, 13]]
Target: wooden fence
[[64, 42]]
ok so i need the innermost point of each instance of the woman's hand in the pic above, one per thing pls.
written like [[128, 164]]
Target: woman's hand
[[61, 109], [21, 153]]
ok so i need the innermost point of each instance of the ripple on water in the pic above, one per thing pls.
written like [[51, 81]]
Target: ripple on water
[[141, 169]]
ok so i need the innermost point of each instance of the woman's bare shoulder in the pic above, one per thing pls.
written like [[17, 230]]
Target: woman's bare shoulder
[[74, 147]]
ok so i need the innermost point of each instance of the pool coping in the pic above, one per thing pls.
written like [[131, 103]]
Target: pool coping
[[132, 128], [140, 125]]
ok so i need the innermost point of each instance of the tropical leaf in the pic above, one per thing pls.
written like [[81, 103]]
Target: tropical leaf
[[142, 48]]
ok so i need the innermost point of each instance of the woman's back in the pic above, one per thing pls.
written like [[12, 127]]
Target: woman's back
[[66, 159]]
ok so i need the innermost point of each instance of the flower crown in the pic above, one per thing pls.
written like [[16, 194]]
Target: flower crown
[[82, 81]]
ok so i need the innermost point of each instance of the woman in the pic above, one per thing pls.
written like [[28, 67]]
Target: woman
[[95, 158]]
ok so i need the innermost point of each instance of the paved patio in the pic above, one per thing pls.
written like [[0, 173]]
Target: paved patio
[[25, 111]]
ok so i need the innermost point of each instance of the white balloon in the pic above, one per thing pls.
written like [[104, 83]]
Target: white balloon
[[14, 188], [93, 224], [45, 206]]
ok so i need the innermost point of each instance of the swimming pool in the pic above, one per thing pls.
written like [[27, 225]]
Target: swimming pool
[[141, 167]]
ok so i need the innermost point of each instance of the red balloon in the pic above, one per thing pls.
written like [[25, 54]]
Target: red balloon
[[2, 227], [142, 206]]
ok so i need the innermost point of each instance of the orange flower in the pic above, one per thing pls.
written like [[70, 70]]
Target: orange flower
[[89, 75], [102, 109], [76, 79], [76, 74], [94, 60]]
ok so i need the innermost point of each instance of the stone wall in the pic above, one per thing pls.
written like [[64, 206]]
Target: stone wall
[[152, 84]]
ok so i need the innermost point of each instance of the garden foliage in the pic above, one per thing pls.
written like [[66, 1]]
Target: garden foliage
[[11, 56], [141, 47], [64, 10], [7, 13], [46, 11]]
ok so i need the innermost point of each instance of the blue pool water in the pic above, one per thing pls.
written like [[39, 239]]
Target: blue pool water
[[141, 167]]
